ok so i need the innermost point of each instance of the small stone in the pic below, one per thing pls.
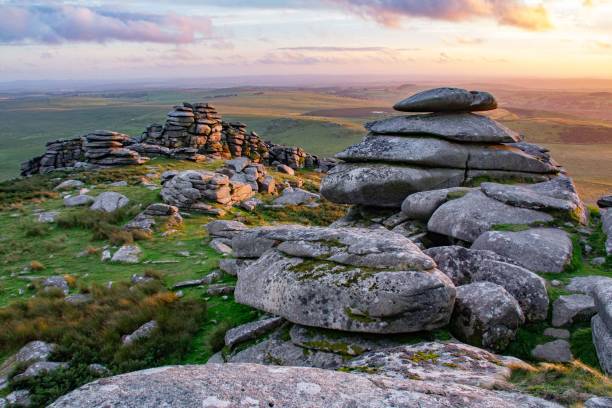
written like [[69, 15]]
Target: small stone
[[215, 290], [99, 370], [556, 283], [79, 200], [47, 217], [19, 398], [557, 333], [56, 282], [283, 168], [121, 183], [106, 255], [142, 332], [129, 254], [38, 368], [69, 185], [557, 351], [109, 202], [251, 330], [79, 299], [220, 246], [600, 260], [571, 309], [34, 351]]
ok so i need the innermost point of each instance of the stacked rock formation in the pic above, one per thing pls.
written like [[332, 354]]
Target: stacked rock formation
[[106, 148], [240, 143], [450, 147], [63, 153], [194, 132], [196, 126]]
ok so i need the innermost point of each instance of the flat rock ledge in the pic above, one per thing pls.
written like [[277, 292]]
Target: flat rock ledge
[[250, 385]]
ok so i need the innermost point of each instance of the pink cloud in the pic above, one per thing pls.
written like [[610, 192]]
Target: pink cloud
[[56, 24]]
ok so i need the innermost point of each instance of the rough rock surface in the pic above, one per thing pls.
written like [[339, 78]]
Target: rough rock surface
[[543, 250], [447, 100], [275, 351], [450, 362], [602, 326], [433, 152], [234, 385], [468, 217], [384, 185], [35, 351], [570, 309], [58, 282], [346, 279], [344, 343], [47, 217], [598, 402], [465, 266], [557, 195], [602, 339], [460, 127], [39, 368], [109, 201], [422, 205], [586, 284], [606, 219], [251, 330], [485, 315], [296, 196], [557, 351]]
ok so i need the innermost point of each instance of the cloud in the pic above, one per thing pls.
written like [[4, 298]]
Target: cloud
[[603, 45], [507, 12], [56, 23]]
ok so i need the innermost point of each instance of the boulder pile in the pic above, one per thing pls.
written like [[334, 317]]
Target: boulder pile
[[106, 148], [210, 192], [191, 189], [449, 147]]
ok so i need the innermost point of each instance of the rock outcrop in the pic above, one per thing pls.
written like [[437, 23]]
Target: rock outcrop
[[450, 147], [193, 132], [63, 153], [235, 385], [107, 148]]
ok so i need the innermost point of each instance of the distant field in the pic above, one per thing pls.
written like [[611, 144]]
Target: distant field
[[323, 121]]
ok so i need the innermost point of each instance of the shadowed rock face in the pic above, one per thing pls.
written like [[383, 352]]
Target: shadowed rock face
[[236, 385], [384, 185], [447, 100]]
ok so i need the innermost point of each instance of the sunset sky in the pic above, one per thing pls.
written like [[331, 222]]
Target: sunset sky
[[190, 38]]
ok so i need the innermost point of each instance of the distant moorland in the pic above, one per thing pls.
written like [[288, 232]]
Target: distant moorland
[[576, 126]]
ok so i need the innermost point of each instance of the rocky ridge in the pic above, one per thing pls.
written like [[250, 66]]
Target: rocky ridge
[[193, 132]]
